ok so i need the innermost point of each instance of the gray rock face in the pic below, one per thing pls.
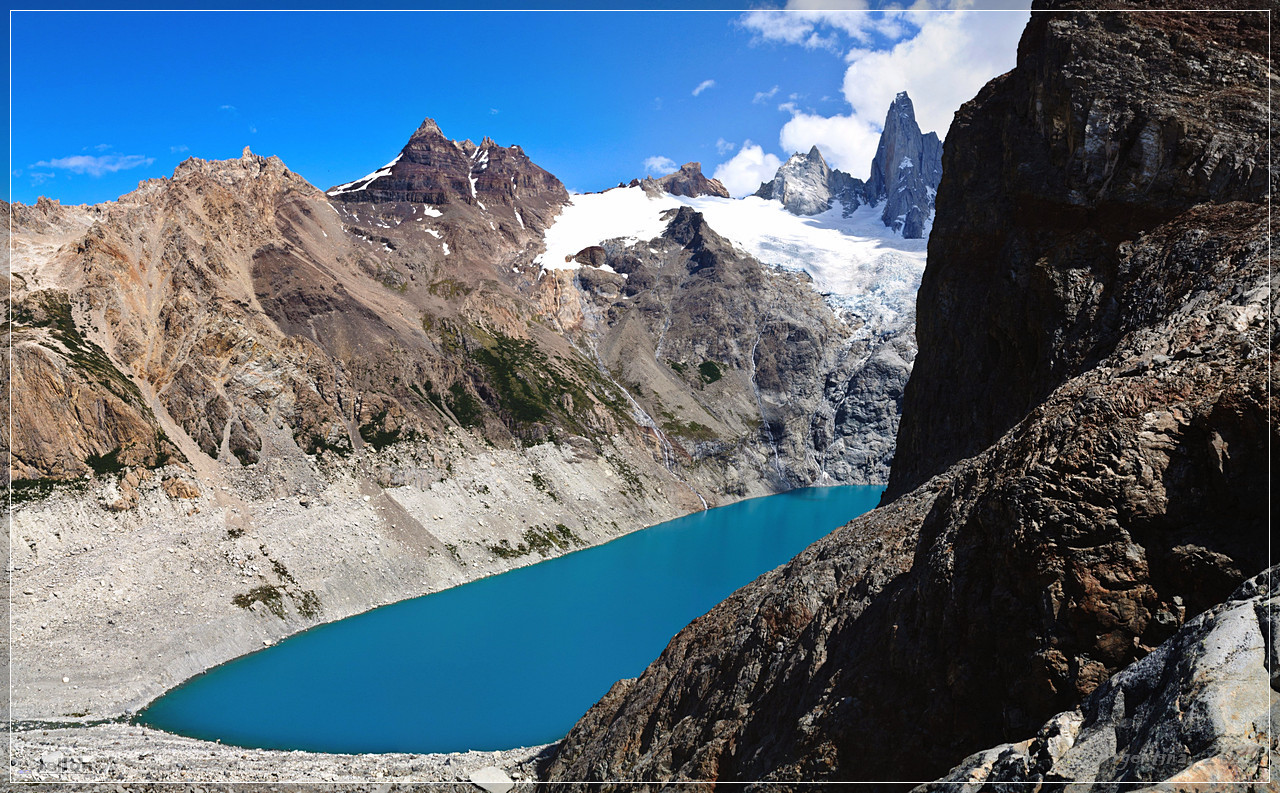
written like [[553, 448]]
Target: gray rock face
[[740, 365], [1012, 585], [906, 170], [1194, 711], [904, 177], [803, 184]]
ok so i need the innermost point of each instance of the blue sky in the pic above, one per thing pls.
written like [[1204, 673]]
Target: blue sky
[[102, 100]]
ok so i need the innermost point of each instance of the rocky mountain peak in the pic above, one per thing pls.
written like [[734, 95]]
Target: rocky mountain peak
[[431, 169], [688, 181], [427, 129], [906, 170], [803, 184], [904, 175]]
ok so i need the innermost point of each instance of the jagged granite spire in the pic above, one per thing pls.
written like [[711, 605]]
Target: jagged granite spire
[[906, 170], [904, 175]]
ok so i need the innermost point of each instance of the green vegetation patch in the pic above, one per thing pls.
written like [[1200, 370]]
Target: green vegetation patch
[[24, 491], [376, 434], [465, 408], [519, 373], [52, 310], [710, 371], [449, 289], [688, 429], [540, 482], [628, 473], [108, 463], [267, 595], [315, 444], [541, 540]]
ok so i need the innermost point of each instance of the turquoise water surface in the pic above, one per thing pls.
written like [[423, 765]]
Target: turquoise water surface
[[510, 660]]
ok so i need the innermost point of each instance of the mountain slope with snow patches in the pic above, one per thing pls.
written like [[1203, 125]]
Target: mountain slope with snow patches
[[857, 262]]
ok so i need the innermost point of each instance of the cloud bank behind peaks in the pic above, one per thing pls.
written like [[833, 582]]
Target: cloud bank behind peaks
[[745, 171], [940, 58]]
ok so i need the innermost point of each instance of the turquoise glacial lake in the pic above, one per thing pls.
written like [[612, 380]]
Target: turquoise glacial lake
[[510, 660]]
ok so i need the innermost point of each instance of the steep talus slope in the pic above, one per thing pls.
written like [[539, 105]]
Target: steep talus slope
[[1087, 145], [1128, 496]]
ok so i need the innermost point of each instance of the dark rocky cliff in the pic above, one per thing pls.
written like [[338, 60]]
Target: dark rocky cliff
[[1107, 129], [1095, 411]]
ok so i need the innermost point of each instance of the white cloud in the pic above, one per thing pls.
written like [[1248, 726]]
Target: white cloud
[[659, 165], [941, 59], [180, 148], [229, 108], [944, 65], [803, 26], [746, 170], [96, 166], [765, 96], [704, 85], [847, 142], [724, 147]]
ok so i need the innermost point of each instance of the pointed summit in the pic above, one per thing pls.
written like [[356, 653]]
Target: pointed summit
[[906, 170], [904, 176], [489, 184], [803, 184], [428, 128]]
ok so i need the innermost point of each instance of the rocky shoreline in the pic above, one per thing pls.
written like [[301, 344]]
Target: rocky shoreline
[[129, 753], [113, 608]]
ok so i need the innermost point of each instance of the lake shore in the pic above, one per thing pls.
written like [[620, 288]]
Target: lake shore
[[129, 753], [111, 608]]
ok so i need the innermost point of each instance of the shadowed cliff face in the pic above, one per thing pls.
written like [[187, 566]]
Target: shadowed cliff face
[[1095, 411], [1110, 126]]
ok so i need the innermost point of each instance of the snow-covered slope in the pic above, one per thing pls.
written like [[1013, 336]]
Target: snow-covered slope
[[860, 264]]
